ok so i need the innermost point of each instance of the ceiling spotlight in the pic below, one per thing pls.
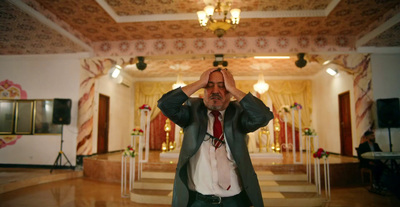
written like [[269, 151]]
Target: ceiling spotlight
[[332, 72], [141, 65], [219, 60], [115, 71], [301, 62]]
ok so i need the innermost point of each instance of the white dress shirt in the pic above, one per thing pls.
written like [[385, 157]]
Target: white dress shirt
[[202, 168]]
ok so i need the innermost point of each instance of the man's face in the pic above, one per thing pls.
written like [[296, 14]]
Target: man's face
[[371, 138], [216, 97]]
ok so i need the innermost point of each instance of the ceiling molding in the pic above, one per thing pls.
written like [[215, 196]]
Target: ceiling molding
[[331, 6], [79, 55], [42, 19], [381, 50], [193, 16], [377, 31], [190, 79]]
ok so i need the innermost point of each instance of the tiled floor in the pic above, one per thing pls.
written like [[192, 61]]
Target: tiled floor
[[82, 191]]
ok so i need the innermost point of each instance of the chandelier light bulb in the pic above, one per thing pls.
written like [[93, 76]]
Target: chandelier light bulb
[[209, 10], [235, 13], [201, 14]]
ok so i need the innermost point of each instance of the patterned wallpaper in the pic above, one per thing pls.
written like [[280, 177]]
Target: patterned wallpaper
[[88, 22], [90, 19]]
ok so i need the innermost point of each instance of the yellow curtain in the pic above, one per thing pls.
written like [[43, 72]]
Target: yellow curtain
[[287, 92], [149, 93], [281, 92]]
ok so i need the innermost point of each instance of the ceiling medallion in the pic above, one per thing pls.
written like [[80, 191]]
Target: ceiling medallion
[[208, 20]]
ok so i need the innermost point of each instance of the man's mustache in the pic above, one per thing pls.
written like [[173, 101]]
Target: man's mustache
[[215, 96]]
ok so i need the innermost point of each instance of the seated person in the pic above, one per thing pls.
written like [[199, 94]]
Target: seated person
[[376, 166]]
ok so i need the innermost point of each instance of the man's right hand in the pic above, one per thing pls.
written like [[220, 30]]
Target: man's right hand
[[201, 83]]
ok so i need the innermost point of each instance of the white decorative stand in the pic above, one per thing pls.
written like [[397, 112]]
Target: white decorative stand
[[135, 138], [317, 177], [286, 145], [125, 191], [309, 140], [144, 142], [294, 137]]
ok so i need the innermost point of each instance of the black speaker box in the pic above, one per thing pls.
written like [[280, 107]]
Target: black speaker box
[[388, 112], [62, 111]]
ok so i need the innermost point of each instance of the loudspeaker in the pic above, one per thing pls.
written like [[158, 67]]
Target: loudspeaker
[[388, 112], [62, 111]]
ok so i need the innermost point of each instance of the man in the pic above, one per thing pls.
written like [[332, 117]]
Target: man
[[203, 178], [376, 166]]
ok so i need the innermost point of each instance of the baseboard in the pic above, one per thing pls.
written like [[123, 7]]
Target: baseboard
[[35, 166]]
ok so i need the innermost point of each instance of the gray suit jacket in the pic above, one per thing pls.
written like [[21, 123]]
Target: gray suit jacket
[[240, 118]]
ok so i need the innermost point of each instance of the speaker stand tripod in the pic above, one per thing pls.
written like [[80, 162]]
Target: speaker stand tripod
[[58, 161]]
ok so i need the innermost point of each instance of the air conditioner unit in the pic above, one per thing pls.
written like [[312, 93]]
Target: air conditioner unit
[[124, 82]]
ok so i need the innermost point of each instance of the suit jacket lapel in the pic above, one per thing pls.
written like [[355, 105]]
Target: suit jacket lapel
[[203, 125]]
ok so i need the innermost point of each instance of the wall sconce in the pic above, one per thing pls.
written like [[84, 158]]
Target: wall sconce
[[332, 72]]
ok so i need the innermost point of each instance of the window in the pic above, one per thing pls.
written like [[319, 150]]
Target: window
[[27, 117]]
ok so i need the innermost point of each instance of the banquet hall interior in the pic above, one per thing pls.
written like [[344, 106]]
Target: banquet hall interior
[[80, 80]]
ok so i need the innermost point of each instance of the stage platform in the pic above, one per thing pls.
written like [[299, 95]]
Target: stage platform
[[344, 171]]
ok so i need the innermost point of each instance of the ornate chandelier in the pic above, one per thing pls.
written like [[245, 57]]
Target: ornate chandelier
[[179, 81], [207, 19], [261, 86]]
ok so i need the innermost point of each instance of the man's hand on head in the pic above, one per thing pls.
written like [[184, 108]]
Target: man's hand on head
[[201, 83], [204, 77], [228, 80], [230, 85]]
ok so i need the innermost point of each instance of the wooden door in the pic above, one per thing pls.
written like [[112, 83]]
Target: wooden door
[[346, 144], [103, 124]]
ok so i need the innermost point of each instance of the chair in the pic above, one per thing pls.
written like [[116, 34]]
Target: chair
[[364, 170]]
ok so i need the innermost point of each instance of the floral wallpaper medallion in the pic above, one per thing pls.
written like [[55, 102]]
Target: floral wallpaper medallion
[[10, 90]]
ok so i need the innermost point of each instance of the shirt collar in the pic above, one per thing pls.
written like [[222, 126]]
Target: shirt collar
[[222, 113]]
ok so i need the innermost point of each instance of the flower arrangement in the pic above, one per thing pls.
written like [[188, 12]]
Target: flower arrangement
[[296, 106], [129, 151], [145, 106], [309, 132], [137, 131], [321, 153]]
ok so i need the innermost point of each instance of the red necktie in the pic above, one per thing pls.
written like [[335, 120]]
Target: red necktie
[[217, 130], [224, 177]]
